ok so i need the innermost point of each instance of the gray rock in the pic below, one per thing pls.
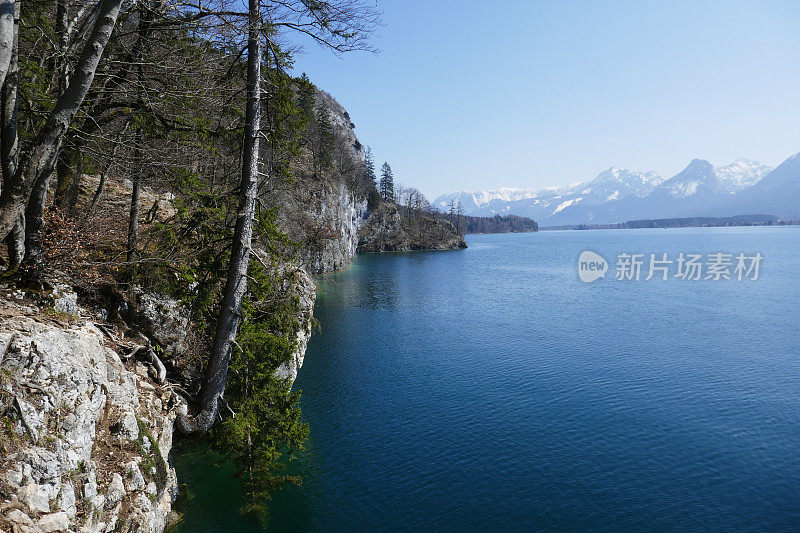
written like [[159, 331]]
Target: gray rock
[[65, 300], [116, 489], [126, 426], [53, 522], [166, 320], [70, 369], [90, 490], [151, 489], [99, 501], [112, 524], [30, 417], [134, 478], [45, 467], [14, 475], [146, 445], [36, 498], [303, 289], [66, 501], [18, 517]]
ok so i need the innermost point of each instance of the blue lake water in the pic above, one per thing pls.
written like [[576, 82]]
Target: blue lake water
[[491, 389]]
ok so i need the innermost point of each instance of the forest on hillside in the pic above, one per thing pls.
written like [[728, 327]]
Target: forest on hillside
[[142, 144]]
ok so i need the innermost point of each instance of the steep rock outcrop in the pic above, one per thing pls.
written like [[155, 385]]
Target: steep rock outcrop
[[328, 220], [323, 213], [298, 285], [87, 431], [387, 231]]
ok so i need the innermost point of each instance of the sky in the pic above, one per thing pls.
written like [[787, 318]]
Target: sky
[[469, 94]]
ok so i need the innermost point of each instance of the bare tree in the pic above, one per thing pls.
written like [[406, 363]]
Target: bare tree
[[146, 11], [39, 160]]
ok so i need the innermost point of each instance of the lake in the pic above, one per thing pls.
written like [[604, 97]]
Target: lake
[[491, 389]]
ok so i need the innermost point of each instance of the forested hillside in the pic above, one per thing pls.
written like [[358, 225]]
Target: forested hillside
[[168, 182]]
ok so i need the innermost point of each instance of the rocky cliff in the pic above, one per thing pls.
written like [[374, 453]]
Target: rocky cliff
[[87, 411], [323, 213], [86, 422], [387, 231], [325, 218], [90, 387]]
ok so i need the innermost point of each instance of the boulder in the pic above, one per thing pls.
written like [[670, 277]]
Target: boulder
[[116, 489], [51, 523], [36, 498], [134, 478], [126, 426]]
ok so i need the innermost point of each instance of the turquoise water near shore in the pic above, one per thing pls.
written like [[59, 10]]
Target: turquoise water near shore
[[491, 389]]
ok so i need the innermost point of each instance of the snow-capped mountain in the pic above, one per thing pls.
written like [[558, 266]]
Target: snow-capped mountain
[[741, 173], [616, 183], [617, 195], [609, 185], [777, 193], [695, 180]]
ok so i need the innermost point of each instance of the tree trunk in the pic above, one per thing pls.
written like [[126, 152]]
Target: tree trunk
[[9, 144], [7, 9], [145, 19], [133, 217], [34, 214], [216, 374], [34, 221], [98, 194], [41, 157]]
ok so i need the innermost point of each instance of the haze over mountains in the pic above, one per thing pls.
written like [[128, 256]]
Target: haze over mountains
[[619, 195]]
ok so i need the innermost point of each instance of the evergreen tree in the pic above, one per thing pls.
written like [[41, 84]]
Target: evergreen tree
[[306, 98], [369, 167], [323, 140], [387, 183]]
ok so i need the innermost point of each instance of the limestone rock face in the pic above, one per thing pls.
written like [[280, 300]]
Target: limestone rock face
[[164, 319], [387, 231], [301, 286], [62, 388], [325, 217], [383, 231], [324, 213]]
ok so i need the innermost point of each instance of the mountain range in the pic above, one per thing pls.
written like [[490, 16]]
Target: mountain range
[[619, 195]]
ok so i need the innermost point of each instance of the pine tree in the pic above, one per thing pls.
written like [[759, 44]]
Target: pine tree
[[369, 167], [324, 140], [387, 183], [306, 99]]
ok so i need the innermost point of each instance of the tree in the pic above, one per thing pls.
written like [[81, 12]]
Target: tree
[[40, 157], [146, 10], [369, 167], [216, 374], [341, 25], [7, 17], [323, 140], [306, 99], [387, 183]]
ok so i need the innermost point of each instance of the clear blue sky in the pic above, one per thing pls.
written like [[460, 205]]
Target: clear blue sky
[[469, 94]]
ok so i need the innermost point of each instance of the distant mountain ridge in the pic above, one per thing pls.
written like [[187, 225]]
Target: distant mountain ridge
[[617, 195]]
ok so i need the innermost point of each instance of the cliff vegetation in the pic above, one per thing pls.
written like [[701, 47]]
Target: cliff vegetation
[[166, 189]]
